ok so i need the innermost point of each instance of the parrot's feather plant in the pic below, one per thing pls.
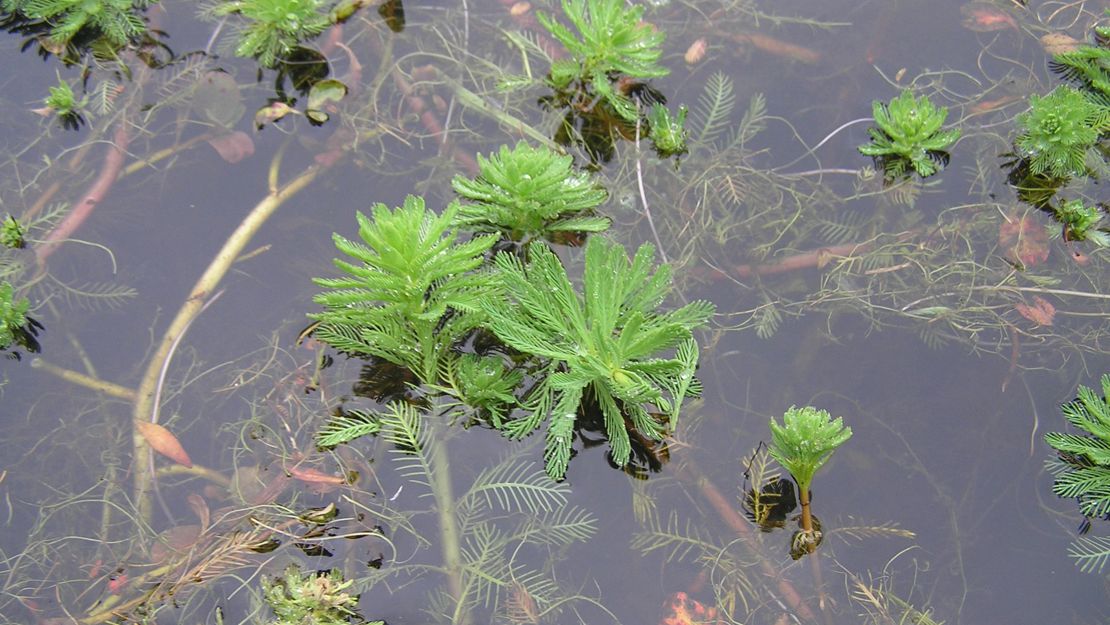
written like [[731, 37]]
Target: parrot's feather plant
[[908, 136], [602, 346], [802, 444], [527, 193], [1082, 468], [612, 41], [411, 295]]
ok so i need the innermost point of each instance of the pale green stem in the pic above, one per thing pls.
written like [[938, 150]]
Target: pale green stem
[[448, 529], [200, 293]]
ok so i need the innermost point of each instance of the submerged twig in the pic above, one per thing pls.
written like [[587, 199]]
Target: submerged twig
[[109, 172], [76, 377], [194, 304]]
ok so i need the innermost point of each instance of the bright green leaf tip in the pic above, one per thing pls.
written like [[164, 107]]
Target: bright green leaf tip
[[805, 441]]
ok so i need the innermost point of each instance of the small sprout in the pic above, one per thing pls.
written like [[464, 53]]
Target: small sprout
[[802, 445], [668, 134], [1081, 222], [11, 234], [63, 103]]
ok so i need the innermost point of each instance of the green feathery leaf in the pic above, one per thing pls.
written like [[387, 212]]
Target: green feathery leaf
[[604, 342], [415, 293], [526, 193]]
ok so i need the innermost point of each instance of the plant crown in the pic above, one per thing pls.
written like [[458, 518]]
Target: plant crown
[[909, 135]]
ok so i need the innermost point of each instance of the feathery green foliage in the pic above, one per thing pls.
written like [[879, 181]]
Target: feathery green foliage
[[1082, 468], [909, 135], [711, 114], [65, 105], [668, 134], [510, 505], [414, 293], [116, 21], [602, 345], [612, 41], [1090, 553], [11, 234], [528, 193], [12, 315], [1087, 455], [275, 27], [805, 441], [484, 383], [347, 427], [311, 599], [1081, 222], [1088, 66], [1059, 130]]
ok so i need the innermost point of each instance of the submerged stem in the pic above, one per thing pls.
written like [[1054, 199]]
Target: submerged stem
[[194, 303], [448, 529]]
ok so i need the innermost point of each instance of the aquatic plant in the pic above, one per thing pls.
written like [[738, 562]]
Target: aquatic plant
[[413, 294], [909, 136], [527, 193], [11, 234], [12, 316], [601, 347], [1082, 467], [484, 383], [1081, 222], [612, 41], [63, 103], [1058, 131], [314, 598], [802, 444], [509, 506], [115, 21], [275, 28], [1088, 66], [667, 134]]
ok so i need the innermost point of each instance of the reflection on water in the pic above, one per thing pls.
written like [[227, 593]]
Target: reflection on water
[[916, 310]]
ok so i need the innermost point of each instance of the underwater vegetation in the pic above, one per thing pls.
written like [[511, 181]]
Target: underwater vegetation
[[803, 444], [312, 598], [612, 41], [1081, 469]]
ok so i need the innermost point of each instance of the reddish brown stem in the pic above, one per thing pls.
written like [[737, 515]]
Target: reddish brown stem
[[109, 172], [739, 525], [774, 46], [807, 520], [431, 123], [815, 258]]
